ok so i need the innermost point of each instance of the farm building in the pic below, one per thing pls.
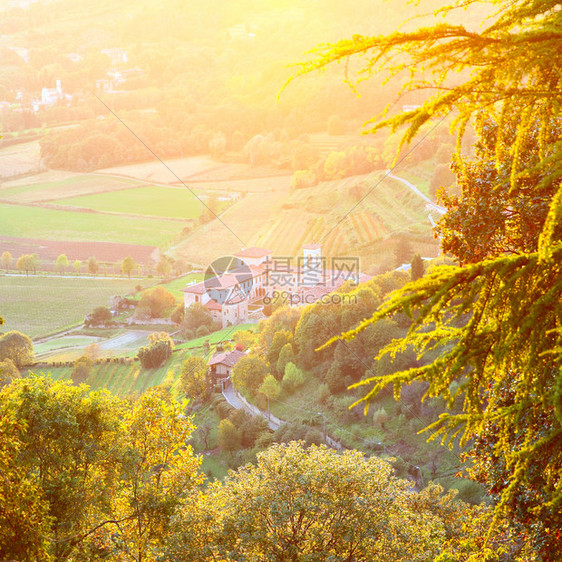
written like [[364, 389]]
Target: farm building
[[237, 295], [221, 365]]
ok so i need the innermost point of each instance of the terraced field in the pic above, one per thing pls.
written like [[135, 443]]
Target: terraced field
[[390, 207], [124, 380]]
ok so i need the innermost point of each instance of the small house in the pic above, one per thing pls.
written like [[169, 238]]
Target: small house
[[221, 365]]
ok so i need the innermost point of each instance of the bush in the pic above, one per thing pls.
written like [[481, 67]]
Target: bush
[[196, 315], [99, 317], [83, 368], [157, 352], [16, 347], [158, 301], [335, 378], [188, 334], [293, 378], [380, 417], [202, 331]]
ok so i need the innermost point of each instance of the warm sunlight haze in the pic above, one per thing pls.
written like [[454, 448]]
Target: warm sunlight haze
[[281, 280]]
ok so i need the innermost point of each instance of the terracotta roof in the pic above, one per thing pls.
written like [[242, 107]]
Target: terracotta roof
[[213, 305], [253, 252], [229, 358], [198, 289]]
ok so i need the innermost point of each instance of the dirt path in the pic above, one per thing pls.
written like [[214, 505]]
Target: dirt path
[[431, 204]]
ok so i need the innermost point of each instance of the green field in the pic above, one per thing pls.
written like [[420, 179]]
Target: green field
[[216, 337], [51, 224], [66, 342], [175, 287], [41, 305], [148, 200], [67, 187]]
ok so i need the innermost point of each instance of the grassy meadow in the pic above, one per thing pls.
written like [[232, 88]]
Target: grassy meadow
[[53, 224], [72, 186], [172, 202], [40, 305]]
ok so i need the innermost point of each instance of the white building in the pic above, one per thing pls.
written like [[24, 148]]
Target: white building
[[50, 96]]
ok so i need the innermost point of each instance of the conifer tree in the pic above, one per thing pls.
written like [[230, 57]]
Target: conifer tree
[[496, 318]]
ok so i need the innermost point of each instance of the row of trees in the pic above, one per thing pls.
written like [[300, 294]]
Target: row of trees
[[32, 263]]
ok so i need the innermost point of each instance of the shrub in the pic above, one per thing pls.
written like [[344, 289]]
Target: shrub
[[202, 331], [380, 417], [157, 352], [83, 368], [293, 378]]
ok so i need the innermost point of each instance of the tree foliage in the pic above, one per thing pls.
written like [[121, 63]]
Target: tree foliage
[[86, 476], [61, 263], [312, 504], [193, 377], [157, 301], [249, 373], [16, 347], [83, 367], [157, 352], [497, 320], [128, 265], [6, 260]]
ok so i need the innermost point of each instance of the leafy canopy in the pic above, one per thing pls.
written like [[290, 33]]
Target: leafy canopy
[[497, 321]]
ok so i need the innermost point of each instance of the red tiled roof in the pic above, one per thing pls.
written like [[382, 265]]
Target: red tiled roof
[[213, 305], [198, 289], [253, 252], [229, 358]]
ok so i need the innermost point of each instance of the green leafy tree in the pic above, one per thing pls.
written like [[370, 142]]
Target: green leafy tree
[[128, 266], [61, 263], [86, 475], [270, 387], [7, 260], [157, 301], [16, 347], [403, 251], [164, 266], [318, 505], [193, 378], [83, 367], [100, 316], [25, 263], [229, 436], [8, 372], [496, 321], [286, 355], [158, 473], [293, 378], [157, 352], [77, 264], [179, 314], [280, 339], [64, 437], [249, 373], [197, 315]]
